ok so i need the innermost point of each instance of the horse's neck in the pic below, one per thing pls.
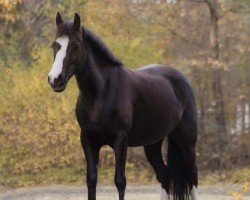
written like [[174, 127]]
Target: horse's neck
[[89, 78], [99, 65], [100, 51]]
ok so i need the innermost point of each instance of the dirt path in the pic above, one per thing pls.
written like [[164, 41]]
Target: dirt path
[[109, 193]]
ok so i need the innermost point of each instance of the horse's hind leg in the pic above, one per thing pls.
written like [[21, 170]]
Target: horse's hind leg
[[154, 156], [184, 136]]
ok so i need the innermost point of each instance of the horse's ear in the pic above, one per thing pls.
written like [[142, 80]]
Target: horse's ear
[[83, 31], [59, 19], [77, 21]]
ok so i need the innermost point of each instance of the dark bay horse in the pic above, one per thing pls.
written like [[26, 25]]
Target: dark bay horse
[[127, 108]]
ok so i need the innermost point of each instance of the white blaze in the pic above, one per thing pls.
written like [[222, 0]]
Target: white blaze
[[58, 63]]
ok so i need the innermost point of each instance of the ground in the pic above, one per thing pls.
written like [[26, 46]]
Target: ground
[[110, 193]]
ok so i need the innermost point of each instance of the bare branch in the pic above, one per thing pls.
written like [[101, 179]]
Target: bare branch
[[212, 8], [176, 34], [197, 1]]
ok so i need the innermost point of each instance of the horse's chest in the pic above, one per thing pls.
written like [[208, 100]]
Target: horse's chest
[[96, 118], [97, 125], [99, 121]]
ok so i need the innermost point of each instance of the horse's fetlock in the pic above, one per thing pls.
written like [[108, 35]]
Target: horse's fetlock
[[91, 180], [120, 182]]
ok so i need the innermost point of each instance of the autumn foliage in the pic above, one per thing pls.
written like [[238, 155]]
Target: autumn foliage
[[39, 136]]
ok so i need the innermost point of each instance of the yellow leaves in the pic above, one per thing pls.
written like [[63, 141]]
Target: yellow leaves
[[9, 5], [30, 113], [238, 195], [136, 42], [245, 186], [8, 9], [9, 72]]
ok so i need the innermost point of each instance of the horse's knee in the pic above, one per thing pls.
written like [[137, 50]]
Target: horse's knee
[[120, 182], [91, 180]]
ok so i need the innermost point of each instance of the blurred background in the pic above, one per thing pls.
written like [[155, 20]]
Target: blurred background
[[208, 40]]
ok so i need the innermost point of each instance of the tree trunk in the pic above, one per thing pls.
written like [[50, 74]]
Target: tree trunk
[[243, 115], [217, 85]]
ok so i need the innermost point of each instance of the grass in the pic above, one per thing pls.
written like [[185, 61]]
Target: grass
[[73, 176]]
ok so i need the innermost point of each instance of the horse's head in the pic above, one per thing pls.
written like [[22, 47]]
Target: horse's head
[[68, 50]]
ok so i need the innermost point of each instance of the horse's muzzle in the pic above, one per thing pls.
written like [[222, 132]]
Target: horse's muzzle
[[58, 84]]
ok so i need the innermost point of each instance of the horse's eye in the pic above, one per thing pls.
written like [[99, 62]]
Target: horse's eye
[[55, 45], [74, 46]]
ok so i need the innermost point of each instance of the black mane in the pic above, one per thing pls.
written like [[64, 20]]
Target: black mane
[[100, 48]]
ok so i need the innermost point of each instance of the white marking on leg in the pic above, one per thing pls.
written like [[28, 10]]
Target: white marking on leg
[[194, 193], [164, 195], [58, 63]]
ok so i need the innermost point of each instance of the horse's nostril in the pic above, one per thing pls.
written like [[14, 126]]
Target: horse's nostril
[[58, 81], [59, 78], [55, 81]]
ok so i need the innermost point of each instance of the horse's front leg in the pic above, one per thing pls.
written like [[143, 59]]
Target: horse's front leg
[[91, 152], [120, 149]]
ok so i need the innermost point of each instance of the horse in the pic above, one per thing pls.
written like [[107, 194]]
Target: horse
[[125, 108]]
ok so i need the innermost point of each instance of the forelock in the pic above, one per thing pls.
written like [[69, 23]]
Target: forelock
[[65, 29]]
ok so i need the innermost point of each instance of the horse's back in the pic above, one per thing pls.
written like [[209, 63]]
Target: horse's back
[[175, 77], [164, 70]]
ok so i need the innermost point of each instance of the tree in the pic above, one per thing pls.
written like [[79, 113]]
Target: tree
[[217, 71]]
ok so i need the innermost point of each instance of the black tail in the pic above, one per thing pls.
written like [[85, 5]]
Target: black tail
[[177, 183]]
